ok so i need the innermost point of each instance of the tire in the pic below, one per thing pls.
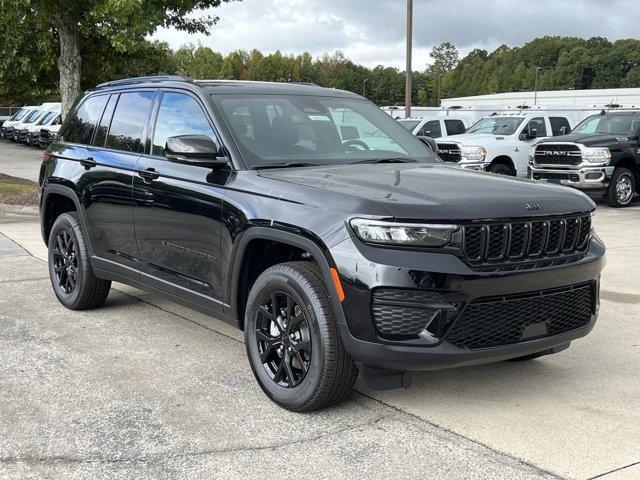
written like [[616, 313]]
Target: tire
[[501, 169], [621, 189], [86, 291], [315, 341]]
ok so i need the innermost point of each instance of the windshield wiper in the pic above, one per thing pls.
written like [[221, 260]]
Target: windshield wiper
[[285, 165], [387, 160]]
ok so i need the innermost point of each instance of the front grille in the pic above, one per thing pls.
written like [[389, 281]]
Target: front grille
[[449, 152], [494, 321], [400, 312], [555, 176], [491, 243], [557, 154]]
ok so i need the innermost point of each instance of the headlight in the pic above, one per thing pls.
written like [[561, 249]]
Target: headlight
[[596, 155], [532, 154], [390, 233], [473, 154]]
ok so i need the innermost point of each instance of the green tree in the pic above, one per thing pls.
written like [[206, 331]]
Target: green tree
[[122, 22]]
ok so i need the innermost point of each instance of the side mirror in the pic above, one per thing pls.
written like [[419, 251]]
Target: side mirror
[[197, 150], [529, 134], [566, 130], [429, 142]]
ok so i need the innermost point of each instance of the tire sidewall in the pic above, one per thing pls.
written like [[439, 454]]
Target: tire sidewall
[[500, 169], [67, 222], [290, 397]]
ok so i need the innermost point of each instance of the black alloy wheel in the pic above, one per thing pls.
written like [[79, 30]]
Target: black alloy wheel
[[72, 277], [293, 339], [284, 340], [65, 261]]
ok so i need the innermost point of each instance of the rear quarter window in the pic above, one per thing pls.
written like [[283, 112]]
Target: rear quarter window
[[82, 122]]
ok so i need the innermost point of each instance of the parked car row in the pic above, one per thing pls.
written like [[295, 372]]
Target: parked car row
[[601, 156], [35, 125]]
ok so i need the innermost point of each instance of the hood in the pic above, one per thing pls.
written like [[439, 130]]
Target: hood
[[588, 139], [436, 191]]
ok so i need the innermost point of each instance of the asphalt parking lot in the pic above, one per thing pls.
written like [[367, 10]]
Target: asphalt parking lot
[[143, 388]]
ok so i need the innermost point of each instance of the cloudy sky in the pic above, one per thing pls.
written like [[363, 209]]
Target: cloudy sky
[[371, 32]]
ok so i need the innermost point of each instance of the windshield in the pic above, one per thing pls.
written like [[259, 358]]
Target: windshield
[[315, 130], [33, 116], [626, 125], [496, 125], [409, 124], [18, 115], [46, 118]]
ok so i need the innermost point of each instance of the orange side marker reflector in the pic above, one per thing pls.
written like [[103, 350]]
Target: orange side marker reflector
[[337, 283]]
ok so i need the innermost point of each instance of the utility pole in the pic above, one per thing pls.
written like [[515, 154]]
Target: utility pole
[[409, 71], [535, 93], [365, 82], [439, 85]]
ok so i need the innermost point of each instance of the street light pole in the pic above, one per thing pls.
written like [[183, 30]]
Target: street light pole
[[365, 82], [408, 81], [535, 93]]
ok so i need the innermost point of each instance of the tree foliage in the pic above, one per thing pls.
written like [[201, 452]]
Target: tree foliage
[[28, 69]]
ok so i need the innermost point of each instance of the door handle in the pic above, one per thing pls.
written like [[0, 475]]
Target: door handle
[[148, 175], [88, 163]]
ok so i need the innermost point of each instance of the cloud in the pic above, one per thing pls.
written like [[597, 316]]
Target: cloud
[[371, 32]]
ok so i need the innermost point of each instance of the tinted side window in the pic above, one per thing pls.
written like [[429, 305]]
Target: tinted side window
[[129, 120], [557, 123], [79, 128], [179, 114], [454, 127], [103, 126], [538, 125], [431, 129]]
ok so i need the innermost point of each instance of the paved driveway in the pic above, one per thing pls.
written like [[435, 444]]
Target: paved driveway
[[145, 388]]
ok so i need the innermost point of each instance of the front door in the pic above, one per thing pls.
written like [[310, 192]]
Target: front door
[[177, 215]]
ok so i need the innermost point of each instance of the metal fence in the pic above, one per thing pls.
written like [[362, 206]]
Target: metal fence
[[8, 111]]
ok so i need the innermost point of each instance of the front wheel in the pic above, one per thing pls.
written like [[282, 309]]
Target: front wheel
[[621, 189], [501, 169], [293, 341]]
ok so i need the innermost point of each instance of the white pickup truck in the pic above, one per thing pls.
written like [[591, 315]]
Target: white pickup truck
[[501, 143]]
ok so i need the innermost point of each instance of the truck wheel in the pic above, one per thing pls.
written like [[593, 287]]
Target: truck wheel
[[621, 189], [501, 169], [72, 277], [293, 341]]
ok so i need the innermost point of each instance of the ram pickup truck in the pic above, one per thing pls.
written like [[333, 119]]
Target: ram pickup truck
[[336, 255], [501, 143], [601, 157]]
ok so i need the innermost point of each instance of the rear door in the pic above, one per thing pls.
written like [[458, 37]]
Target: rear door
[[178, 208], [106, 139]]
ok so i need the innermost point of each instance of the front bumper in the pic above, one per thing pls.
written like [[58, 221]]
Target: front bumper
[[22, 136], [480, 166], [363, 269], [588, 178]]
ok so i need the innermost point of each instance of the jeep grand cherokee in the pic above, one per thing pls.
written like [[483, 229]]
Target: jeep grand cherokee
[[317, 224]]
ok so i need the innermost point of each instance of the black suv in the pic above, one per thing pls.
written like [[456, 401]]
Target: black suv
[[314, 221], [600, 157]]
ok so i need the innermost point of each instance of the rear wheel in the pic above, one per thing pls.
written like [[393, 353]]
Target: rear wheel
[[501, 169], [293, 341], [72, 277], [621, 189]]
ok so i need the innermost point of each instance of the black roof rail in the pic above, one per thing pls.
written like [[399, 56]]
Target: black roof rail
[[151, 78]]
